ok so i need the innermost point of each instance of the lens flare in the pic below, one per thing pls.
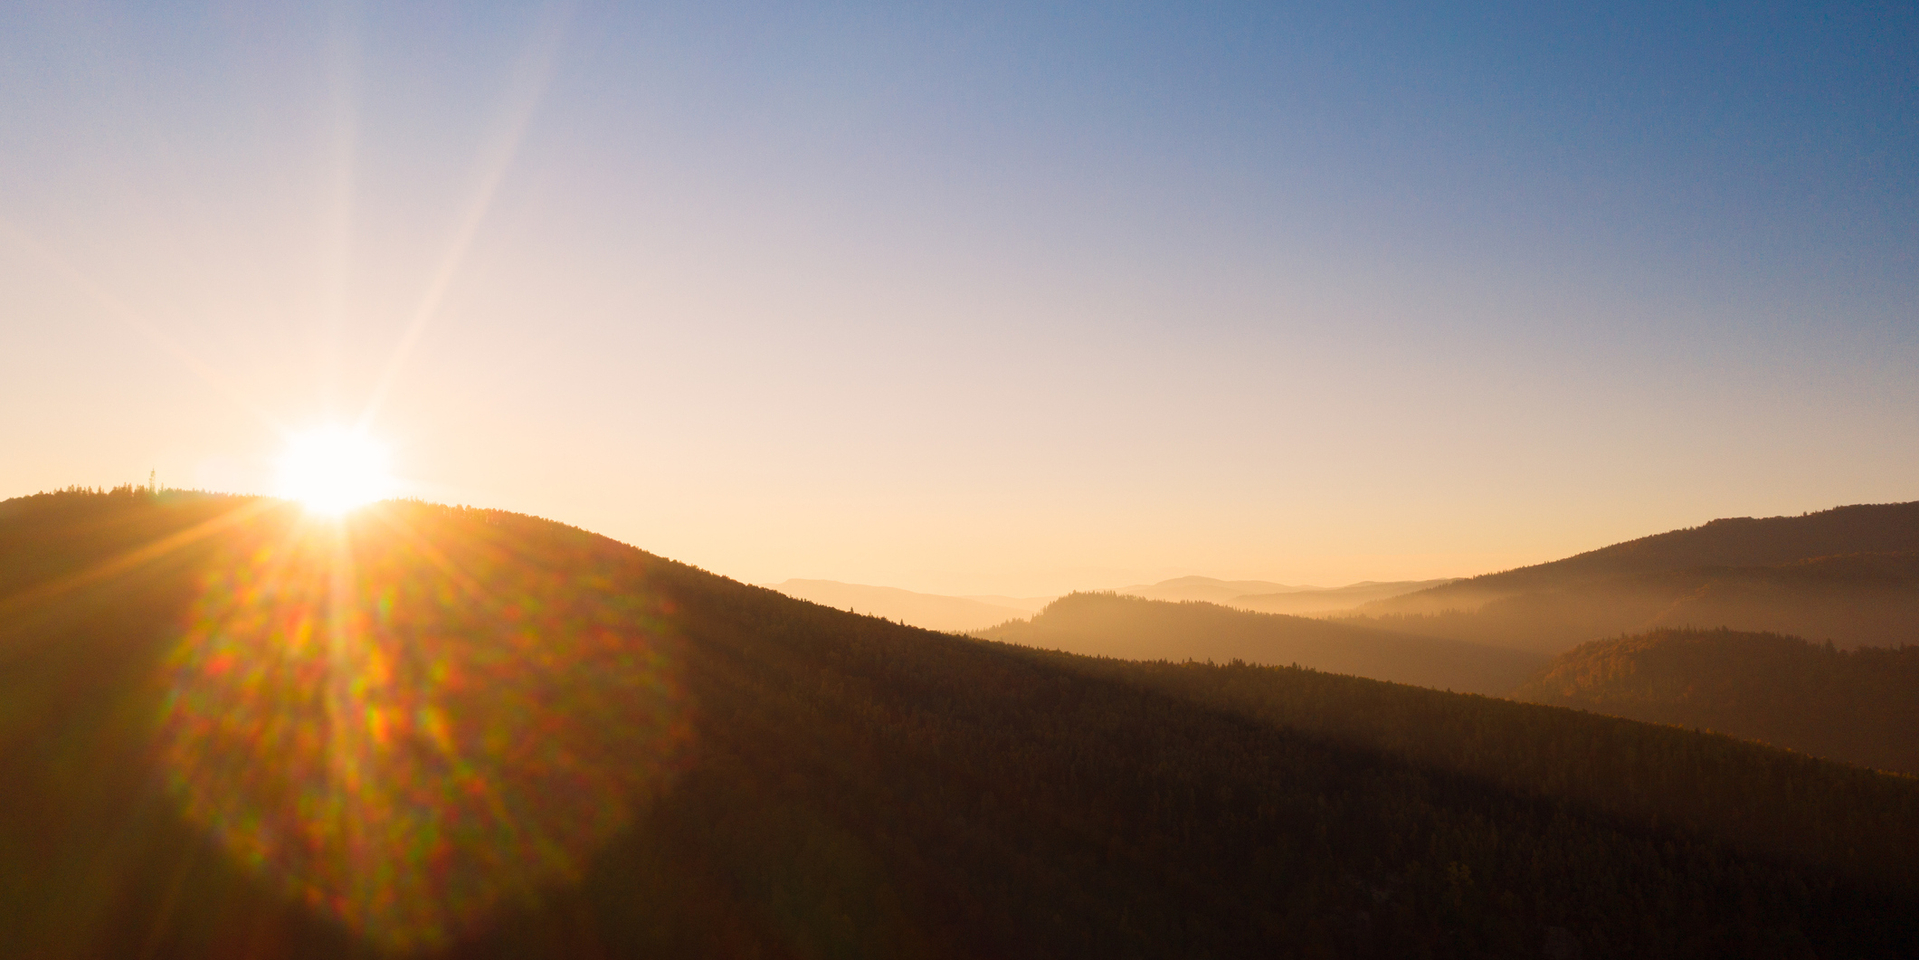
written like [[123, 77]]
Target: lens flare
[[332, 470], [404, 726]]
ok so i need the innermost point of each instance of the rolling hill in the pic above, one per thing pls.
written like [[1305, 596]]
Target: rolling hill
[[233, 731], [1730, 542], [1861, 599], [1860, 706], [1849, 575], [1132, 628]]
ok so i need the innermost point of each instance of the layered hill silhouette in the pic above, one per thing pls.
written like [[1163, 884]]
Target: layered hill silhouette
[[1268, 597], [1204, 589], [929, 610], [1304, 601], [230, 730], [1849, 575], [1861, 706], [1132, 628], [970, 614]]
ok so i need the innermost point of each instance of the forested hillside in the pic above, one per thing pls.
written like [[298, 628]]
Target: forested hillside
[[232, 731], [1131, 628], [1860, 706]]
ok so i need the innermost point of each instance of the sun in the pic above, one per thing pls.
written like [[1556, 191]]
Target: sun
[[333, 469]]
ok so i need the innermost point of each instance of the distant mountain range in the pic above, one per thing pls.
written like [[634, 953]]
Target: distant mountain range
[[965, 614], [1205, 588], [1849, 575], [1269, 597], [1135, 628], [1731, 542], [1303, 601], [1701, 628], [1859, 706], [928, 610]]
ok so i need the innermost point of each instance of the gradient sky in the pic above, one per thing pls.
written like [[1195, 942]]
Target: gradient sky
[[981, 298]]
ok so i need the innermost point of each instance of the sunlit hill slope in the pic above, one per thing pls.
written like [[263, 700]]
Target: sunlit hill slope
[[233, 731]]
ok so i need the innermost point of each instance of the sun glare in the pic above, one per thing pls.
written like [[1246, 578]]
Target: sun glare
[[332, 470]]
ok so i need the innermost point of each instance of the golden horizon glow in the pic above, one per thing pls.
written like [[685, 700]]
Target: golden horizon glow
[[332, 469]]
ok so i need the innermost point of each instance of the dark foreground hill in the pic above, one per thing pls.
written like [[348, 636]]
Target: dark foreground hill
[[1861, 706], [228, 731], [1131, 628]]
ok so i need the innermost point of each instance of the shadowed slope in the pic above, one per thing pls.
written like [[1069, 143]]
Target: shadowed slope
[[1132, 628], [1860, 706], [541, 743]]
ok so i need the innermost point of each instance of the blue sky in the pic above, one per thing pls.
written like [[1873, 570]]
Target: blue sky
[[1010, 298]]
